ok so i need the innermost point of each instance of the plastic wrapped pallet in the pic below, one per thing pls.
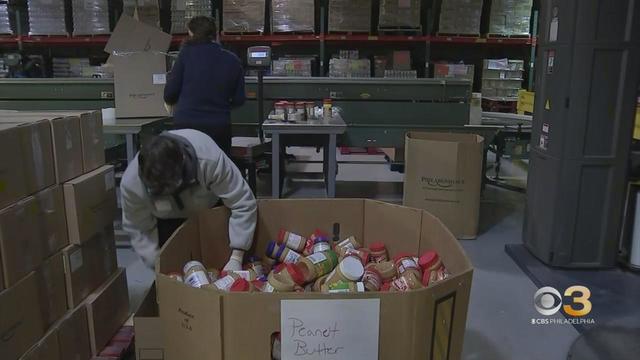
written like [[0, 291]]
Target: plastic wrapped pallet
[[183, 10], [502, 78], [292, 16], [47, 17], [400, 14], [5, 24], [243, 16], [292, 67], [453, 71], [510, 17], [460, 17], [349, 68], [90, 17], [146, 11], [350, 15]]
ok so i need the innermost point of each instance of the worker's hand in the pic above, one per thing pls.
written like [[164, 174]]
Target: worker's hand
[[235, 262]]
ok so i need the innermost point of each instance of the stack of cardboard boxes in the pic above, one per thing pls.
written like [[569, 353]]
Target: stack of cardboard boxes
[[61, 293]]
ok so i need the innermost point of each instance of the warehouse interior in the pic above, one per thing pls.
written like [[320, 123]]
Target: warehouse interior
[[323, 179]]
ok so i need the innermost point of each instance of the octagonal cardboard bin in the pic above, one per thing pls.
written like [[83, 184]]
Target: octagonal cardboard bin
[[203, 324]]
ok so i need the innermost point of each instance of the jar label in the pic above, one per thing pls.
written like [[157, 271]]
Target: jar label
[[317, 258], [225, 283], [346, 244], [245, 274], [320, 247], [268, 288], [373, 278], [197, 279], [294, 241], [407, 264], [401, 284], [292, 258]]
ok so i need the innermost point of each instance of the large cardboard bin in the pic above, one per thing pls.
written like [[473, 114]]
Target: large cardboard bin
[[205, 324]]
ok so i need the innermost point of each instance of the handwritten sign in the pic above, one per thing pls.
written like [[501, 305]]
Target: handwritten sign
[[330, 329]]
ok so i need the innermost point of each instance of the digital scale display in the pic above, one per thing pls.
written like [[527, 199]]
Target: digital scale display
[[261, 55]]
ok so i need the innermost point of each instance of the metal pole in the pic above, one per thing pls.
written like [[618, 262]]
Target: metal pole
[[260, 98]]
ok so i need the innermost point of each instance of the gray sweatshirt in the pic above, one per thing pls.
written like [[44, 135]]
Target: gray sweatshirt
[[218, 178]]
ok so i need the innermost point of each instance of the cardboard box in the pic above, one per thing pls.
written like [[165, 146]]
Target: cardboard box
[[47, 349], [51, 288], [199, 323], [402, 60], [148, 329], [90, 134], [137, 54], [107, 310], [443, 175], [26, 165], [51, 220], [21, 323], [30, 231], [67, 146], [90, 203], [73, 335], [89, 265]]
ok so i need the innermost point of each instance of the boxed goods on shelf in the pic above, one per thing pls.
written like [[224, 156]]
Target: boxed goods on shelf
[[400, 14], [453, 71], [146, 11], [350, 15], [243, 16], [213, 315], [90, 17], [183, 10], [502, 78], [47, 17], [350, 68], [510, 17], [5, 24], [292, 16], [292, 67], [461, 17]]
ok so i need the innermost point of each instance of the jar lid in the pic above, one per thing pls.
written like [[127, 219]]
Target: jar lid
[[402, 256], [270, 247], [280, 251], [352, 268], [279, 268], [191, 264], [428, 259], [240, 285], [281, 235], [377, 246], [321, 239], [296, 273]]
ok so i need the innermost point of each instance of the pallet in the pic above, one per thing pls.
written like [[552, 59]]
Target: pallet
[[399, 31], [508, 36], [242, 33], [357, 32], [310, 32], [458, 35]]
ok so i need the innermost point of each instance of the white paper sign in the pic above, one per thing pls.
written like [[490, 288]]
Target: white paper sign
[[330, 329]]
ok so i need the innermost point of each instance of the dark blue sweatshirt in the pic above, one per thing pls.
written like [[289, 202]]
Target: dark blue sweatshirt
[[205, 83]]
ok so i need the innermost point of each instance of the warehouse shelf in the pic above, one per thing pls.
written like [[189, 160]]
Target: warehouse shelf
[[277, 38]]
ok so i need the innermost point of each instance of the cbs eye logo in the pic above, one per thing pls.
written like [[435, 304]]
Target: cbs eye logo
[[548, 301]]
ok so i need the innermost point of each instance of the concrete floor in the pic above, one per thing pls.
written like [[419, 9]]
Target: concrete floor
[[501, 307]]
